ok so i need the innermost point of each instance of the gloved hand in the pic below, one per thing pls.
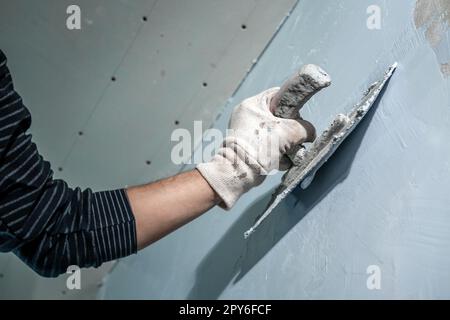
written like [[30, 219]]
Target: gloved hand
[[255, 144]]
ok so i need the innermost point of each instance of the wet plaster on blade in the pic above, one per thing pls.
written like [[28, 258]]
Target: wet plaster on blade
[[434, 17]]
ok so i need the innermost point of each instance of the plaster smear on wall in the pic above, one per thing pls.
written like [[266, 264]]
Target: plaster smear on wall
[[434, 16]]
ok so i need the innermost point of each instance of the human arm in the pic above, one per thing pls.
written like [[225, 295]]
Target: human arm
[[163, 206], [51, 226], [46, 223], [241, 163]]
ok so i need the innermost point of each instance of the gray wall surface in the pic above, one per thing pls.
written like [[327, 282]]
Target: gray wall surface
[[381, 200], [106, 134]]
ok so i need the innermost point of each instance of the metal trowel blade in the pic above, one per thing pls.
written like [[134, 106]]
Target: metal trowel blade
[[324, 147]]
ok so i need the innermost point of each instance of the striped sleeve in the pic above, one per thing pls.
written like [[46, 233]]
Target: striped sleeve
[[49, 225]]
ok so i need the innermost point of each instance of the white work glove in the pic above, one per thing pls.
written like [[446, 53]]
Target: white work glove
[[254, 146]]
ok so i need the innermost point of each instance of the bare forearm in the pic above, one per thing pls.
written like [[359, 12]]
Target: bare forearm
[[163, 206]]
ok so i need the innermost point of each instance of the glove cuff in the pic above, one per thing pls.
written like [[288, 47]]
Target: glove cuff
[[230, 174]]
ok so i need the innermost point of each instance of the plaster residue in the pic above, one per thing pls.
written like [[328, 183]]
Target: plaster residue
[[445, 69], [434, 17]]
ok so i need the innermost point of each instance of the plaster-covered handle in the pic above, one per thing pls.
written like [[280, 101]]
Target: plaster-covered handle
[[297, 90]]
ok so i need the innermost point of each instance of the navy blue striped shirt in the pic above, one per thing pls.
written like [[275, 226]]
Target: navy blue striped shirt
[[44, 222]]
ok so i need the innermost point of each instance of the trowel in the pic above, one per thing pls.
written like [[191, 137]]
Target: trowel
[[287, 103]]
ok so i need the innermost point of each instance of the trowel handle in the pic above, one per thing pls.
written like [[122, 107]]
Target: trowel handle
[[297, 90]]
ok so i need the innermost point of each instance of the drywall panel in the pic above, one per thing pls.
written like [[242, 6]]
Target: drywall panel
[[62, 73], [381, 202], [104, 134], [17, 281], [183, 65]]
